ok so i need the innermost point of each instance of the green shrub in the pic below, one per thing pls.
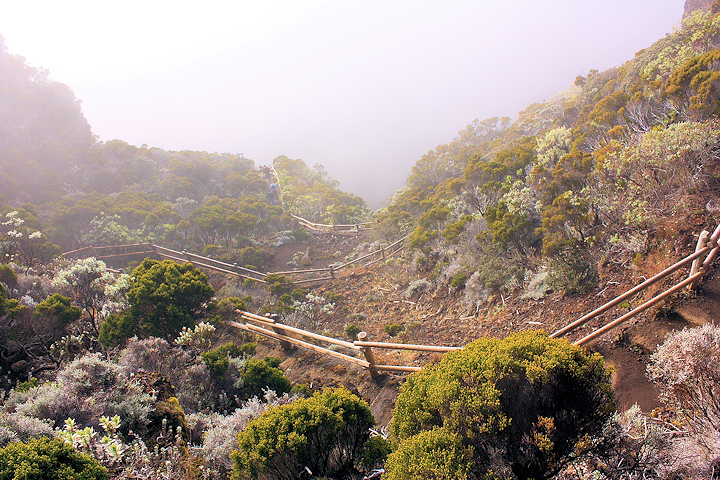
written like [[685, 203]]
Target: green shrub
[[393, 329], [164, 297], [279, 284], [27, 386], [298, 294], [300, 235], [8, 275], [453, 231], [260, 375], [217, 363], [284, 304], [217, 360], [325, 433], [226, 309], [358, 317], [570, 273], [332, 296], [302, 389], [375, 452], [496, 270], [56, 308], [352, 331], [437, 271], [253, 258], [211, 250], [459, 280], [274, 362], [522, 404], [50, 459]]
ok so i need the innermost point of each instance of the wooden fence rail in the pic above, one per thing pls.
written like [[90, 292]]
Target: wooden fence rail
[[707, 248], [335, 228], [282, 333], [117, 251]]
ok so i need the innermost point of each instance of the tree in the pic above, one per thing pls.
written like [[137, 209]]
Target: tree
[[324, 433], [51, 319], [164, 297], [22, 239], [88, 283], [521, 404]]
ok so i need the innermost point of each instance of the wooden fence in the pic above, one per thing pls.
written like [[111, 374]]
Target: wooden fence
[[707, 247], [271, 329], [326, 273], [337, 228], [705, 253]]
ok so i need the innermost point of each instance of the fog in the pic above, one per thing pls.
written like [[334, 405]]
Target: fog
[[362, 87]]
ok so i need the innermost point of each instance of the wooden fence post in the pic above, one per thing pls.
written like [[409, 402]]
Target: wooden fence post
[[382, 250], [702, 241], [332, 272], [280, 331], [367, 351]]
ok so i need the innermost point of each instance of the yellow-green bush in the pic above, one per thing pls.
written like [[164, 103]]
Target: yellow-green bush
[[520, 404], [325, 433], [46, 458], [436, 453]]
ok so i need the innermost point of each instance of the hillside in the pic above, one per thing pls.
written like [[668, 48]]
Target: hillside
[[374, 298]]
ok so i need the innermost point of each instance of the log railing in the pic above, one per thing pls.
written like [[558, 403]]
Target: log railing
[[270, 328], [327, 273], [705, 253], [707, 248], [336, 228]]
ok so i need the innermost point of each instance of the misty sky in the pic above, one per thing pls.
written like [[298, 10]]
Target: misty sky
[[362, 87]]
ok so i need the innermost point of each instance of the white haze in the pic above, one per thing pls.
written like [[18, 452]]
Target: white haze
[[362, 87]]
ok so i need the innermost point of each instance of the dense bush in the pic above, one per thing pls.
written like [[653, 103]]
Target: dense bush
[[217, 360], [15, 427], [324, 433], [219, 437], [279, 284], [521, 404], [164, 297], [686, 370], [436, 453], [352, 330], [85, 390], [393, 329], [260, 375], [46, 458], [196, 388]]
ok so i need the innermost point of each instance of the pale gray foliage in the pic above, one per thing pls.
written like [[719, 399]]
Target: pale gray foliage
[[16, 427]]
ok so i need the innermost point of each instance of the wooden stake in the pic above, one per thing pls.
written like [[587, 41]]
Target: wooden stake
[[702, 241], [367, 351]]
